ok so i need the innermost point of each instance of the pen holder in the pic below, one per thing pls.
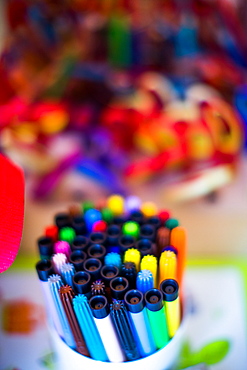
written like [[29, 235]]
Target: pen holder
[[135, 315], [163, 359]]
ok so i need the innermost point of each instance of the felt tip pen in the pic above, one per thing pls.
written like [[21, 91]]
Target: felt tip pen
[[131, 228], [62, 220], [44, 270], [116, 204], [97, 238], [157, 317], [93, 267], [77, 259], [58, 260], [128, 271], [67, 234], [66, 295], [79, 225], [80, 242], [138, 314], [149, 262], [147, 231], [132, 203], [82, 283], [145, 246], [126, 242], [170, 291], [162, 238], [124, 330], [112, 235], [119, 286], [179, 241], [167, 266], [113, 258], [133, 255], [88, 328], [144, 281], [137, 216], [101, 313], [45, 245], [98, 288], [62, 247], [90, 217], [55, 283], [97, 251]]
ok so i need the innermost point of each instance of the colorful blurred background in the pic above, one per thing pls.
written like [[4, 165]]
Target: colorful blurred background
[[131, 97]]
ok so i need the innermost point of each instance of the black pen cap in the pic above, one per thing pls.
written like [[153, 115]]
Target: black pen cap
[[82, 282], [79, 225], [77, 258], [44, 269], [126, 242], [45, 245], [108, 272], [147, 231], [119, 220], [112, 235], [97, 238], [96, 251], [128, 270], [93, 267], [137, 216], [62, 220], [80, 242], [153, 299], [134, 300], [119, 286], [99, 306], [154, 221], [145, 246], [169, 289]]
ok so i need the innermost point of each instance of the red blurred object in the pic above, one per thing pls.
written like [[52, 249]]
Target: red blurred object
[[100, 226], [52, 232]]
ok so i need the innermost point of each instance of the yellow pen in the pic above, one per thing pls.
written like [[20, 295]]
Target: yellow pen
[[167, 266], [149, 262], [133, 255], [170, 291]]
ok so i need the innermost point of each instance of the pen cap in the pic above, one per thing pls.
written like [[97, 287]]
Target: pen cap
[[45, 245], [96, 251], [119, 286], [79, 225], [99, 306], [82, 282], [119, 220], [80, 243], [171, 223], [67, 234], [132, 203], [100, 226], [169, 248], [145, 246], [90, 217], [113, 234], [137, 216], [154, 221], [97, 238], [98, 287], [126, 242], [77, 258], [153, 299], [131, 228], [44, 269], [169, 289], [147, 231], [108, 272], [62, 220], [93, 267], [134, 300], [52, 232], [128, 271]]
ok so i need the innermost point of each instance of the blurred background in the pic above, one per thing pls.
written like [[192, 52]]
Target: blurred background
[[146, 98]]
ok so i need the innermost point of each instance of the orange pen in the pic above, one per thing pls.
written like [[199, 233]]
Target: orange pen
[[178, 239]]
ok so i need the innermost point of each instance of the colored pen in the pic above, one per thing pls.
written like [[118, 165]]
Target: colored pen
[[66, 295], [77, 259], [128, 271], [100, 310], [167, 266], [144, 281], [119, 286], [93, 267], [149, 262], [179, 241], [170, 291], [138, 315], [45, 245], [82, 283], [133, 255], [124, 330], [157, 317], [88, 328]]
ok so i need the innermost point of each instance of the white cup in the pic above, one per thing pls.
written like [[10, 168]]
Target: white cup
[[163, 359]]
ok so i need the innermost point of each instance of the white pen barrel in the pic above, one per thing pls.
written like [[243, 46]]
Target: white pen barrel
[[50, 306], [144, 333], [109, 338]]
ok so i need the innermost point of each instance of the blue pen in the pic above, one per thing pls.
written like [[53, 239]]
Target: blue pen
[[90, 217], [88, 327], [138, 315], [124, 330], [113, 258], [144, 281], [55, 283]]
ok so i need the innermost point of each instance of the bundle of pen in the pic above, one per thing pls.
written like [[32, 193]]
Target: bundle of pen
[[112, 275]]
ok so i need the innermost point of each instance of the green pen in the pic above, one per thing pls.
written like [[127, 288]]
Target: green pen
[[171, 223], [107, 215], [157, 317], [67, 234], [86, 206], [131, 228]]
